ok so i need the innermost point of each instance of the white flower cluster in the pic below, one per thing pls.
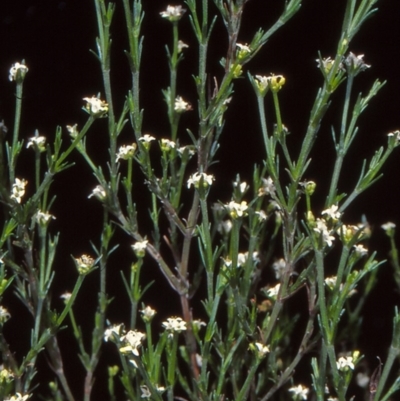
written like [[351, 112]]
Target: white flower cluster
[[84, 264], [174, 325], [273, 292], [322, 229], [98, 193], [181, 105], [43, 218], [4, 315], [146, 393], [95, 106], [147, 314], [299, 392], [345, 363], [18, 189], [173, 13], [131, 341], [126, 152], [279, 267], [18, 397], [139, 248], [236, 210], [242, 259], [37, 142], [16, 70], [267, 188], [198, 179]]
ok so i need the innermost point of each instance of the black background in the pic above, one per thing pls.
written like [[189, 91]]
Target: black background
[[54, 37]]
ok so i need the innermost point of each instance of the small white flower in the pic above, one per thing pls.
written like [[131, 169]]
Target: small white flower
[[198, 179], [199, 360], [181, 106], [261, 350], [355, 64], [66, 296], [6, 376], [16, 70], [139, 248], [174, 325], [4, 315], [299, 392], [126, 152], [197, 324], [173, 13], [332, 212], [243, 187], [148, 313], [84, 264], [167, 145], [389, 226], [243, 51], [262, 216], [279, 267], [146, 140], [190, 149], [273, 292], [322, 229], [360, 250], [267, 188], [110, 332], [18, 397], [18, 189], [227, 262], [98, 193], [394, 138], [331, 282], [262, 84], [242, 259], [326, 64], [95, 106], [181, 46], [132, 340], [145, 392], [348, 232], [73, 130], [37, 142], [43, 217], [236, 210], [345, 363], [245, 48]]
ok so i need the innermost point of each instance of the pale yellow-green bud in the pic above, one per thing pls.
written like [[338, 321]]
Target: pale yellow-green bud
[[113, 370], [310, 217], [276, 82], [237, 71], [243, 52], [309, 187]]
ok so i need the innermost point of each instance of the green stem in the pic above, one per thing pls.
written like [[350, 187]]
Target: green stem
[[264, 129], [325, 326], [341, 150], [246, 386]]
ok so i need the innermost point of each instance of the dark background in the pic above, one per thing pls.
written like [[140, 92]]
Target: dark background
[[54, 37]]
